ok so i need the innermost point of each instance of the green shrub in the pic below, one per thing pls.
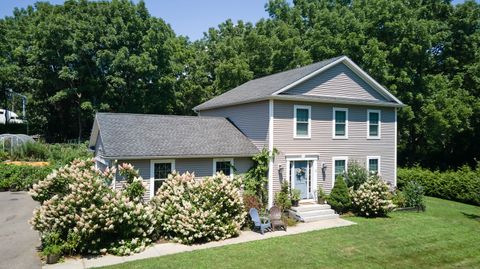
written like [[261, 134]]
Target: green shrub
[[356, 175], [413, 193], [21, 177], [256, 178], [192, 211], [60, 154], [90, 217], [30, 151], [372, 198], [462, 185], [398, 199], [339, 197], [282, 198], [321, 196]]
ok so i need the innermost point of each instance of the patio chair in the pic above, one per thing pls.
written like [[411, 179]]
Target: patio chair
[[276, 218], [262, 224]]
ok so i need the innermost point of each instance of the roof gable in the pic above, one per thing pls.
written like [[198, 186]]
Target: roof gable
[[338, 81], [271, 87]]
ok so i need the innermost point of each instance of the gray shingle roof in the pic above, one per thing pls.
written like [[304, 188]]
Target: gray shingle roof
[[146, 135], [263, 87]]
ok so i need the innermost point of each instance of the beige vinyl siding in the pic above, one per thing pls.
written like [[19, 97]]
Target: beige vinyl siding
[[99, 147], [338, 81], [356, 147], [251, 119]]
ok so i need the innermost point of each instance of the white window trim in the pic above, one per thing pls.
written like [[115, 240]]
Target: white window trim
[[379, 123], [214, 165], [338, 158], [335, 109], [152, 173], [374, 158], [309, 108]]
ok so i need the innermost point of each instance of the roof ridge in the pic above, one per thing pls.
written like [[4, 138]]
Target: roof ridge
[[158, 115]]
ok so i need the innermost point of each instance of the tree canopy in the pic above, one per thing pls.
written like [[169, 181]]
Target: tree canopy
[[81, 57]]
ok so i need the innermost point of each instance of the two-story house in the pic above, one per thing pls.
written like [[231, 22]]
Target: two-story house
[[319, 117]]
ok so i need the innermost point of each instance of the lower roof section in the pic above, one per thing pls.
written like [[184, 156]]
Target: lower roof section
[[141, 136]]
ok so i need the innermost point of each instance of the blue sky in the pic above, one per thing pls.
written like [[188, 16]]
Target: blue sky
[[187, 17]]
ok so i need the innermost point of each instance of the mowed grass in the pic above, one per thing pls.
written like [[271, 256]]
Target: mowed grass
[[447, 235]]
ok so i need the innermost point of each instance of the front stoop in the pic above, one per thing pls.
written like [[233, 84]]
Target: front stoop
[[310, 212]]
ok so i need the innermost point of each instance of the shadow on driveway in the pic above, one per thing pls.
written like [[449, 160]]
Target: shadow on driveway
[[18, 242]]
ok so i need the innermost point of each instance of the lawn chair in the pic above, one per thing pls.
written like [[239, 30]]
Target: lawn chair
[[262, 224], [276, 218]]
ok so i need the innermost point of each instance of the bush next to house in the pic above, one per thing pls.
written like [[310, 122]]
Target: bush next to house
[[372, 198], [339, 198], [87, 216], [462, 185], [191, 211], [21, 177], [413, 193], [356, 175]]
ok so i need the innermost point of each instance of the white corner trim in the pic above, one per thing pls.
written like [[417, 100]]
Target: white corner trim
[[270, 149], [334, 136], [214, 165], [152, 172], [338, 158], [379, 135], [379, 163], [314, 73], [395, 154], [309, 108]]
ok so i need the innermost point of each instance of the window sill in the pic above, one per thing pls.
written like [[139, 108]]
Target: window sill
[[339, 138], [302, 137]]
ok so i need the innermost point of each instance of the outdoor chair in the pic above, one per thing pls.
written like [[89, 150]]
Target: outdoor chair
[[262, 224], [276, 218]]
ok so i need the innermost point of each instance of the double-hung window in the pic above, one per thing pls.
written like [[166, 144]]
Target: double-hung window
[[340, 123], [373, 122], [224, 166], [302, 126], [373, 164], [339, 168], [160, 169]]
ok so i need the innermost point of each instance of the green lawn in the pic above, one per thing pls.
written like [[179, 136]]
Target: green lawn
[[447, 235]]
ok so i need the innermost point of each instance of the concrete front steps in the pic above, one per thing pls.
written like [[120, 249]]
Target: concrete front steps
[[310, 211]]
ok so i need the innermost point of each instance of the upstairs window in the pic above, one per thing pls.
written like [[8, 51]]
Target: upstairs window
[[373, 164], [302, 121], [373, 124], [340, 123]]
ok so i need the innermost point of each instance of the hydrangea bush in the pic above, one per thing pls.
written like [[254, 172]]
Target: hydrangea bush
[[195, 211], [90, 217], [371, 199]]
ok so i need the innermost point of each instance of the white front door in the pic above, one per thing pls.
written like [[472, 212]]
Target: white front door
[[302, 175]]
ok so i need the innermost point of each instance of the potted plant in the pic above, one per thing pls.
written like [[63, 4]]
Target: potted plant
[[321, 196], [52, 253], [295, 196]]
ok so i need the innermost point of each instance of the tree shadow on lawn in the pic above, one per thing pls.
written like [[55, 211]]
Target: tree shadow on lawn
[[472, 216]]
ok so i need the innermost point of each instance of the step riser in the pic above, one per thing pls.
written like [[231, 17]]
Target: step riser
[[334, 216], [322, 212], [310, 208], [312, 218]]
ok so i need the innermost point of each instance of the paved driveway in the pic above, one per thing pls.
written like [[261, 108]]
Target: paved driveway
[[18, 242]]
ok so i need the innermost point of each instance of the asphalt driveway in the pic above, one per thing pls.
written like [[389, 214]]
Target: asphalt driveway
[[18, 242]]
